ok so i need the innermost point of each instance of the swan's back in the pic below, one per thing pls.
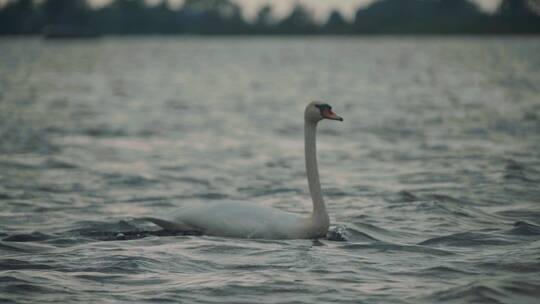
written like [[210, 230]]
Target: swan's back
[[244, 220]]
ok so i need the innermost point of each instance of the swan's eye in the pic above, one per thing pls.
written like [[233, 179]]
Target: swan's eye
[[324, 107]]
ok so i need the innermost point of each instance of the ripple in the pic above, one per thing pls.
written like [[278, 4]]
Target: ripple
[[515, 171], [510, 267], [24, 289], [437, 272], [388, 247], [14, 264], [97, 276], [527, 214], [369, 232], [120, 264], [53, 163], [470, 293], [11, 279], [128, 264], [355, 235], [103, 131], [256, 192], [30, 237], [531, 289], [116, 179], [468, 239], [25, 247], [524, 228], [407, 197], [192, 180]]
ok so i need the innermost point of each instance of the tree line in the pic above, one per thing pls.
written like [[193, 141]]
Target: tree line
[[223, 17]]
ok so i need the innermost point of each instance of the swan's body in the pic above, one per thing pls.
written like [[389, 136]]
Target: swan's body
[[247, 220]]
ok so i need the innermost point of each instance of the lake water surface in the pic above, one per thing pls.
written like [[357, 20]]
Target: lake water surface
[[432, 181]]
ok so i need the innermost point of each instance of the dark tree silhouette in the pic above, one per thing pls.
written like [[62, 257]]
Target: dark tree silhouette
[[417, 16], [336, 24], [300, 21], [74, 18], [264, 23], [19, 17], [213, 17], [65, 13], [516, 16], [264, 16]]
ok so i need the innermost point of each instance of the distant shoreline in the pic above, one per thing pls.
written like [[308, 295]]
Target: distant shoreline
[[292, 36], [74, 19]]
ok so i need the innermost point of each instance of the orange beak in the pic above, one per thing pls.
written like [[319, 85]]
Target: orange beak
[[328, 114]]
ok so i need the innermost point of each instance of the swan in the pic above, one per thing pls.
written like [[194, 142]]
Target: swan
[[245, 220]]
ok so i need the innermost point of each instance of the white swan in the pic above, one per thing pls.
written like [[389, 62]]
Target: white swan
[[245, 220]]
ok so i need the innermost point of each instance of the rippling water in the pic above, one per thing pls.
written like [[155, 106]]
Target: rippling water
[[432, 181]]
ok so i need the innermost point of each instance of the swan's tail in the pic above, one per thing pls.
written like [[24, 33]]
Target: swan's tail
[[174, 226]]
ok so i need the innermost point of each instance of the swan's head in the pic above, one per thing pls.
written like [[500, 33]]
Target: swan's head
[[317, 111]]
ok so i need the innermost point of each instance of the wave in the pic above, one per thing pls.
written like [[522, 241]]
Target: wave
[[522, 287], [491, 291], [521, 214], [524, 229], [14, 264], [499, 238], [28, 237], [390, 247], [343, 233], [438, 272], [468, 239], [470, 293]]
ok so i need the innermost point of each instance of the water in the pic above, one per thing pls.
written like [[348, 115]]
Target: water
[[432, 181]]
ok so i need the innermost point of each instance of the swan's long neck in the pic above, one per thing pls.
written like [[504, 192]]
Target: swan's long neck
[[319, 209]]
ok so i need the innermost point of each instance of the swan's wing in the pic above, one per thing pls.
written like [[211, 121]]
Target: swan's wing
[[245, 220]]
